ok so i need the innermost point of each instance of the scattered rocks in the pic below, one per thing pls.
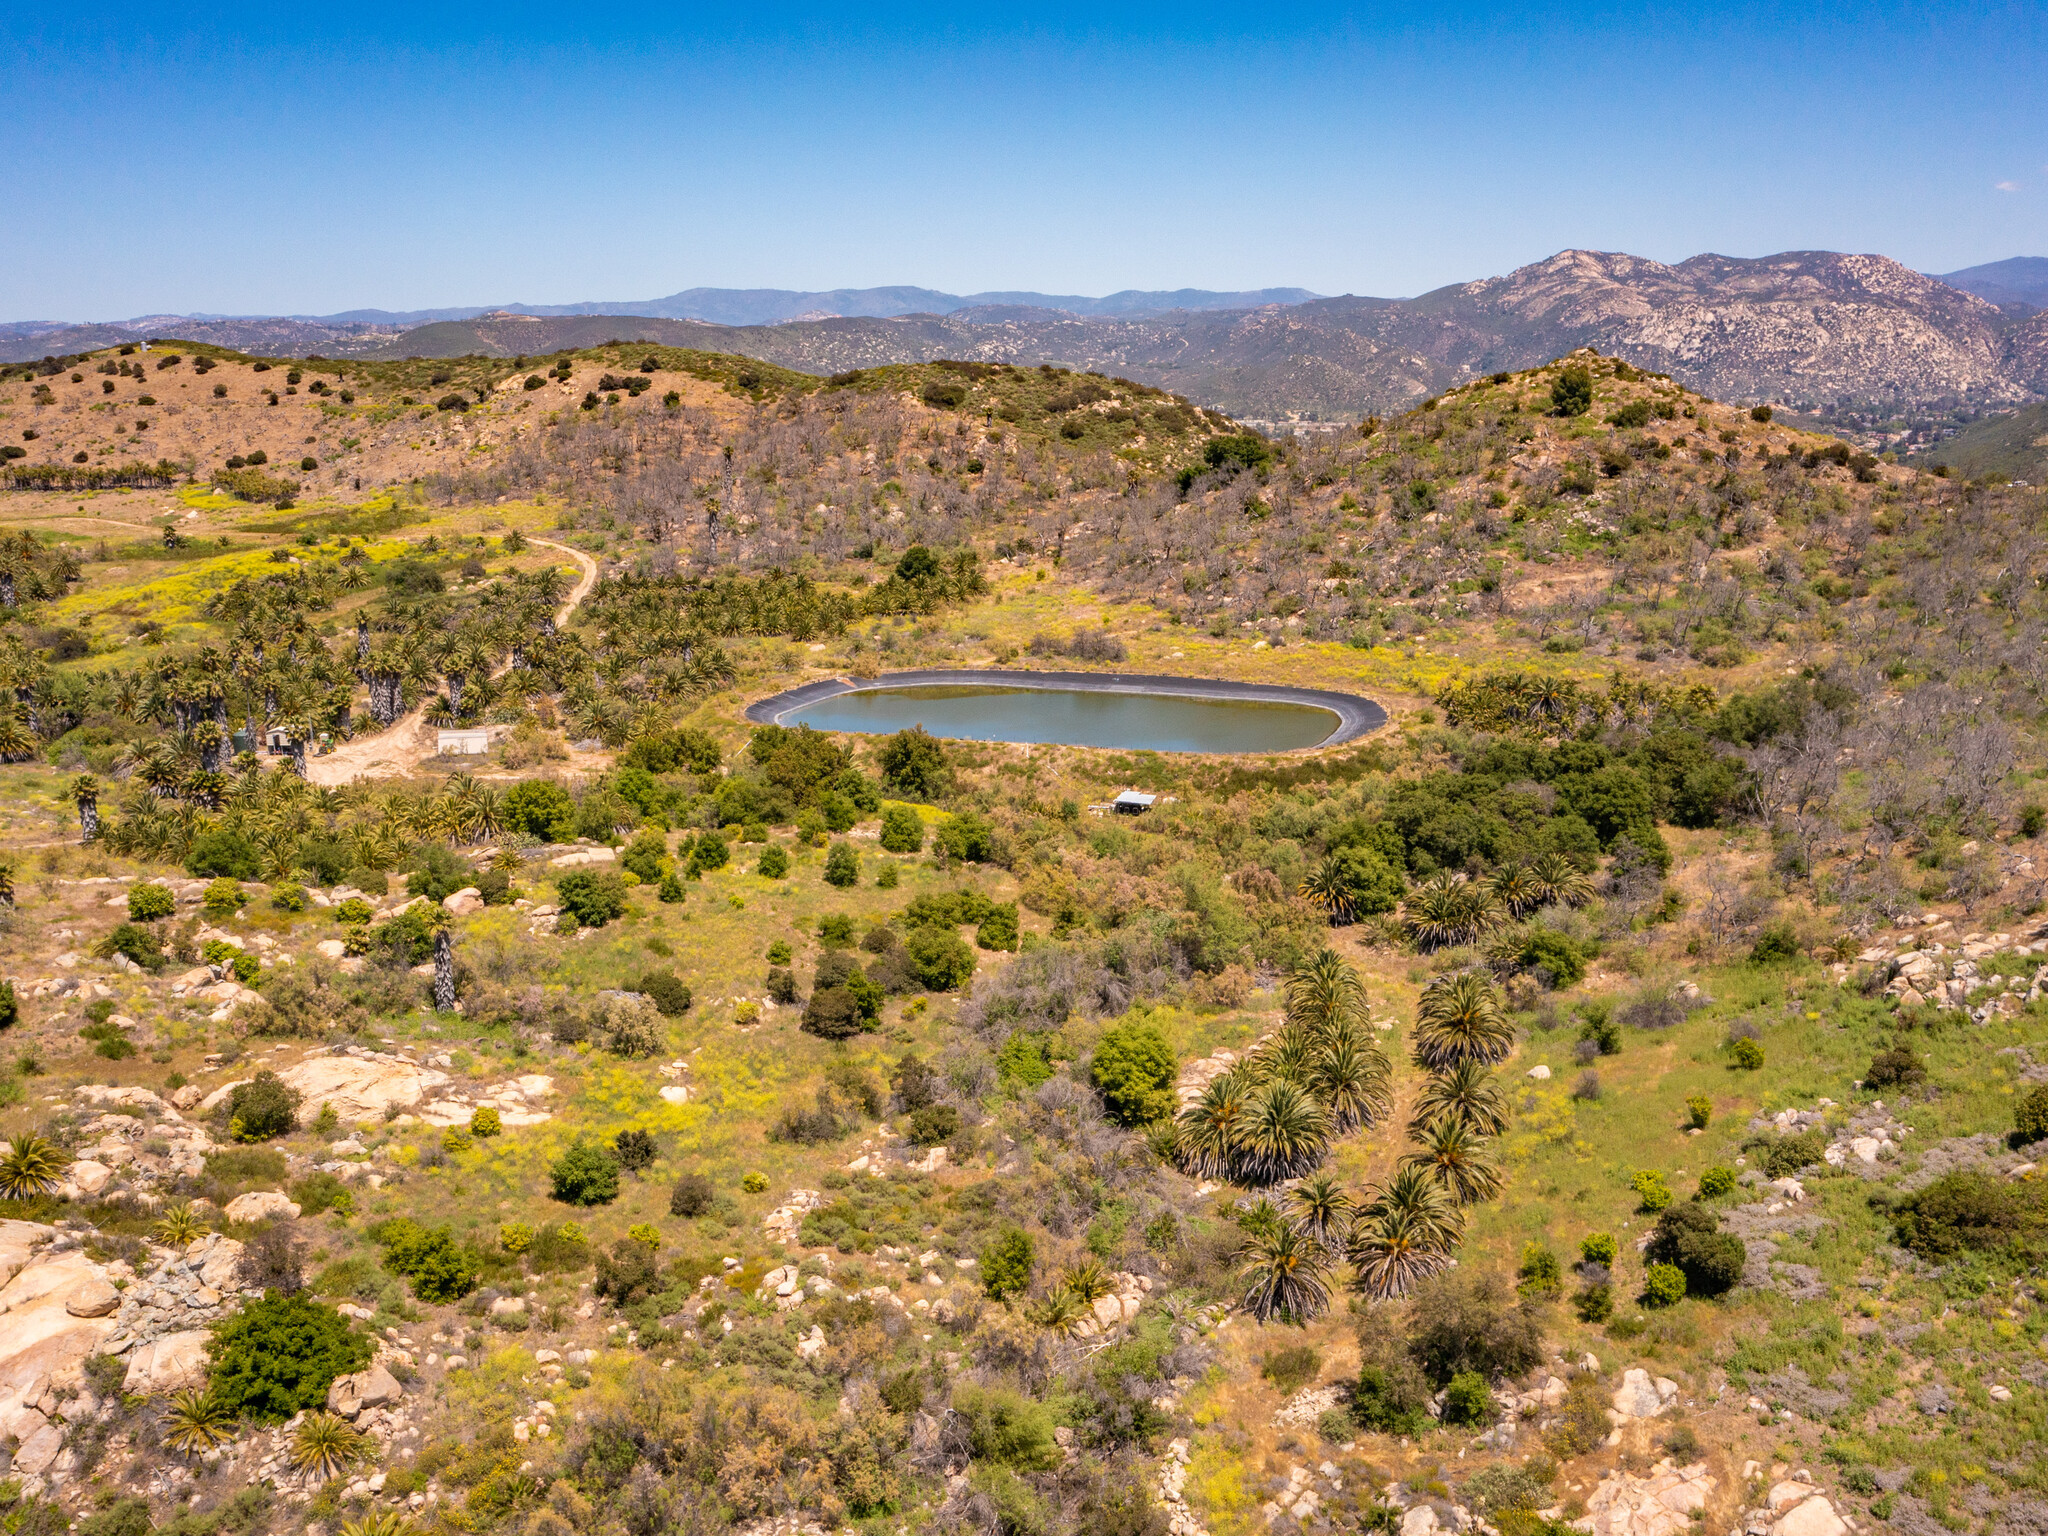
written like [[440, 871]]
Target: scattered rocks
[[262, 1205], [1660, 1504], [372, 1388], [1641, 1396]]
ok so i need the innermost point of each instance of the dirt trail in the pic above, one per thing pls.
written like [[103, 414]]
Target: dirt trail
[[409, 741]]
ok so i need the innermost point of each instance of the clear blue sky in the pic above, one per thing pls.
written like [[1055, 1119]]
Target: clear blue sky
[[315, 157]]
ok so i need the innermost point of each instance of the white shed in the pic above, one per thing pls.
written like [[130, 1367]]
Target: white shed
[[465, 743]]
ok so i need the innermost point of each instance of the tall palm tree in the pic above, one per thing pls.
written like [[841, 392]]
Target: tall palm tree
[[1559, 882], [1415, 1195], [85, 794], [1282, 1270], [1445, 909], [1206, 1132], [1466, 1092], [1461, 1018], [1286, 1133], [1514, 887], [1320, 1208], [1328, 888], [1391, 1253], [1455, 1156], [1325, 991], [1353, 1078]]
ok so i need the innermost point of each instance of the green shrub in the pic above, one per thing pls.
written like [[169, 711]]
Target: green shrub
[[485, 1122], [940, 960], [441, 1271], [1783, 1156], [1006, 1427], [1665, 1286], [1134, 1071], [646, 856], [1748, 1054], [1688, 1236], [353, 911], [914, 763], [774, 863], [586, 1174], [902, 830], [998, 930], [2030, 1115], [10, 1006], [754, 1183], [223, 899], [1699, 1110], [541, 808], [222, 852], [278, 1356], [1571, 393], [842, 866], [1539, 1273], [260, 1109], [320, 1192], [139, 944], [1467, 1400], [592, 897], [933, 1124], [150, 902], [635, 1149], [437, 873], [1652, 1193], [1023, 1062], [288, 898], [1776, 945], [692, 1196], [667, 992], [1961, 1211], [1555, 956], [1716, 1182], [1898, 1067], [1006, 1263]]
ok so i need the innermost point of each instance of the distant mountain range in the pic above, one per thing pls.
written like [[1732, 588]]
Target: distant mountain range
[[1806, 328], [2018, 283]]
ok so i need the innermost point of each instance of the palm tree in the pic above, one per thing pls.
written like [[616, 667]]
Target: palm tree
[[444, 958], [1353, 1078], [33, 1167], [178, 1227], [1446, 909], [85, 794], [1461, 1018], [1207, 1130], [1327, 888], [1060, 1311], [1286, 1133], [1559, 882], [1514, 887], [1325, 991], [1322, 1210], [327, 1445], [1415, 1196], [1289, 1053], [196, 1422], [1282, 1269], [1466, 1092], [1392, 1253], [1088, 1280], [1455, 1156], [16, 742]]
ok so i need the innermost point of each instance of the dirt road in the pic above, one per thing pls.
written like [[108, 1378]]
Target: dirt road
[[409, 741]]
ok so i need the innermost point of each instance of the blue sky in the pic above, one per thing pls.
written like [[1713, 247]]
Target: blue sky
[[295, 158]]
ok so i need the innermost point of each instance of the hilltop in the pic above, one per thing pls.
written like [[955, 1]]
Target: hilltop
[[1810, 329]]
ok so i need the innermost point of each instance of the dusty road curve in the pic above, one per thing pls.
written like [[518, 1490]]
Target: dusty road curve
[[410, 740]]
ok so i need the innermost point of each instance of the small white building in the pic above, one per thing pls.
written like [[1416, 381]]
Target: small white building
[[463, 743]]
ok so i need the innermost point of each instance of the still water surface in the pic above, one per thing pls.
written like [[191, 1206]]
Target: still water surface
[[1156, 722]]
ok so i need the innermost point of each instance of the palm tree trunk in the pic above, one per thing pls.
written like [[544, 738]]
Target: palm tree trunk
[[88, 821], [444, 971]]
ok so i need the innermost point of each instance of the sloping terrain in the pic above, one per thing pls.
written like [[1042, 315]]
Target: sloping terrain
[[655, 1124]]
